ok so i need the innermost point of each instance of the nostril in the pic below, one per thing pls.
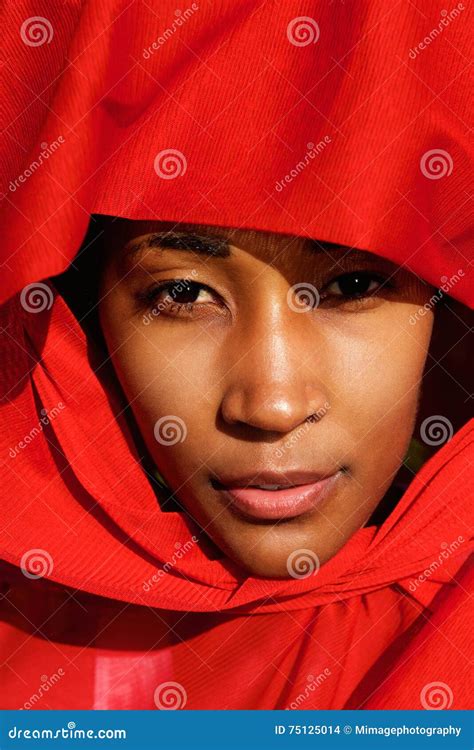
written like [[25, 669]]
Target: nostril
[[232, 406], [270, 410]]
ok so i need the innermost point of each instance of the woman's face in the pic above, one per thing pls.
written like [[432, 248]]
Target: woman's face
[[275, 380]]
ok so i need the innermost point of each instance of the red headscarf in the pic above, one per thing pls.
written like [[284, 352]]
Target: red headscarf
[[302, 119]]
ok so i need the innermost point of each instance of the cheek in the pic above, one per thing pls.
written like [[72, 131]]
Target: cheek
[[378, 370], [167, 380]]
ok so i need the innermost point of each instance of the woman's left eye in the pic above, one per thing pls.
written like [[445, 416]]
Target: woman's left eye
[[356, 284], [183, 292]]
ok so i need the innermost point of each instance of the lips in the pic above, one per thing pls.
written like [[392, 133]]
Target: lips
[[297, 493]]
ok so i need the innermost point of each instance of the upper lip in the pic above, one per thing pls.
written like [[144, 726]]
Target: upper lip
[[289, 478]]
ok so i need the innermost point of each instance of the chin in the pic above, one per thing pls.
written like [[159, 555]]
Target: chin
[[287, 558], [266, 568]]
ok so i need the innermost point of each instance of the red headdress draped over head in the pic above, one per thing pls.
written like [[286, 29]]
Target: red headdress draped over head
[[205, 114], [301, 118]]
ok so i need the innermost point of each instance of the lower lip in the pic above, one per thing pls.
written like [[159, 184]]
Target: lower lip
[[279, 504]]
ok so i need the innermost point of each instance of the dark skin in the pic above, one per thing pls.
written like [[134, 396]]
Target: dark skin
[[233, 358]]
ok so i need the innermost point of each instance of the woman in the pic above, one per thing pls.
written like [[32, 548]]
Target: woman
[[247, 366], [207, 415]]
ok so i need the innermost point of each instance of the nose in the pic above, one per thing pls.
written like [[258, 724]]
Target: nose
[[272, 407], [275, 382]]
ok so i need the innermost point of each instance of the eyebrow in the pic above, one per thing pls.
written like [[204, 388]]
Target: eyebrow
[[326, 248], [338, 253], [219, 247], [215, 247]]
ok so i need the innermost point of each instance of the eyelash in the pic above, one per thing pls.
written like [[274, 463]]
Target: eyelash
[[368, 276], [187, 309], [177, 308]]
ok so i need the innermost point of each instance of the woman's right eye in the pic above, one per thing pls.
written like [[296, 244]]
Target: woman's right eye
[[180, 297], [182, 292]]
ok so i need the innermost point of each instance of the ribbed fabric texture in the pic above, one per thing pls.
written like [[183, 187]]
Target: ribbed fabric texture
[[80, 495], [229, 121], [346, 138]]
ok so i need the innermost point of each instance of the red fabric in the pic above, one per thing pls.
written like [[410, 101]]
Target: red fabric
[[231, 641], [439, 646], [304, 659], [229, 91]]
